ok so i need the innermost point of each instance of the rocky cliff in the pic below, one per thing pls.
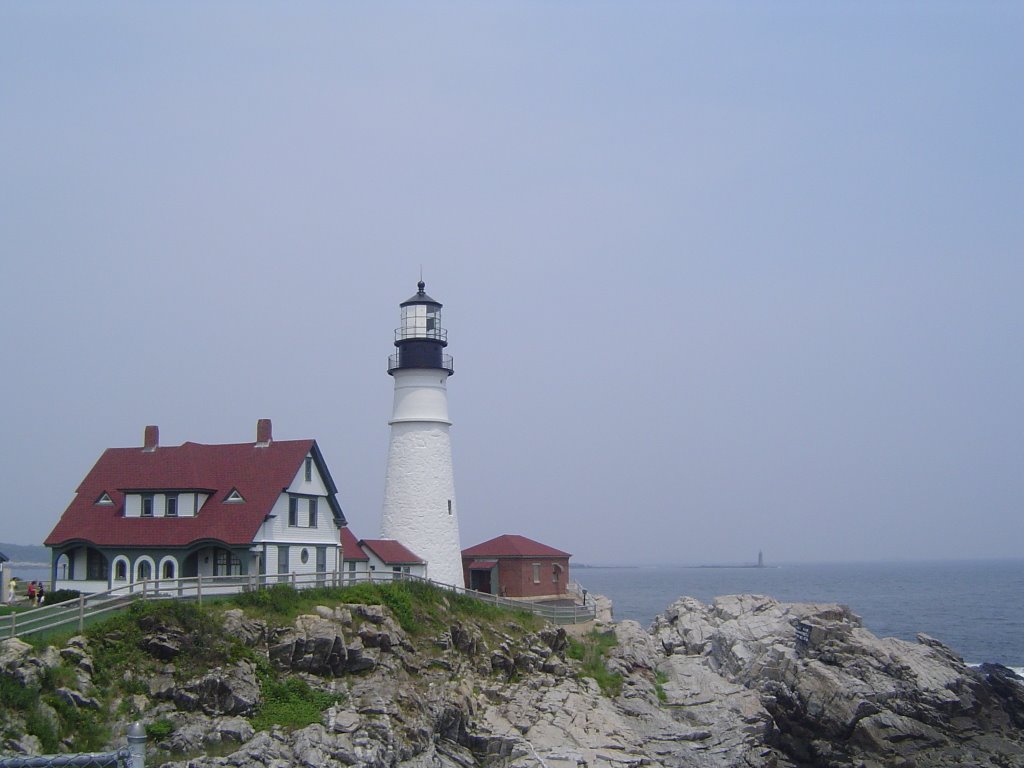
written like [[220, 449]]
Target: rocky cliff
[[746, 681]]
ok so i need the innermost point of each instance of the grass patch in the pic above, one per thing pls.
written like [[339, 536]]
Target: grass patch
[[417, 607], [42, 727], [660, 678], [14, 695], [85, 727], [592, 650], [26, 701], [291, 703]]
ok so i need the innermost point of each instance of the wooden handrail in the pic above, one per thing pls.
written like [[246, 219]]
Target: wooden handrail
[[77, 610]]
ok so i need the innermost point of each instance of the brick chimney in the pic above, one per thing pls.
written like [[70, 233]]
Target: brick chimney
[[263, 433], [152, 439]]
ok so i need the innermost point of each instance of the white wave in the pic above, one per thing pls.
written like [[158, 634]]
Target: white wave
[[1019, 671]]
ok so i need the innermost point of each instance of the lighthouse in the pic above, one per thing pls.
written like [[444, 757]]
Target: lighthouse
[[419, 491]]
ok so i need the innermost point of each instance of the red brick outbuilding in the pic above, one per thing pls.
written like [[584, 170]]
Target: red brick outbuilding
[[515, 566]]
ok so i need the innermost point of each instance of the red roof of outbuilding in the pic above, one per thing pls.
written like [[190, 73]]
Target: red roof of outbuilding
[[350, 546], [391, 552], [259, 474], [513, 545]]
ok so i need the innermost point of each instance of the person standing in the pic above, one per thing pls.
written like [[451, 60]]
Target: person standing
[[40, 593], [12, 588], [32, 593]]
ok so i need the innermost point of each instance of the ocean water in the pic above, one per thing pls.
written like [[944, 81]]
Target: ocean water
[[975, 607]]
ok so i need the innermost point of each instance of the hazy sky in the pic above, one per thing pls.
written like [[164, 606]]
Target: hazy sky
[[718, 277]]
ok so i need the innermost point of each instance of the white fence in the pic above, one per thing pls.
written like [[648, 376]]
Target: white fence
[[73, 614]]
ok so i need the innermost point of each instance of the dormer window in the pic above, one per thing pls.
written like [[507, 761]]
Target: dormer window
[[171, 505], [234, 497], [147, 505], [105, 499]]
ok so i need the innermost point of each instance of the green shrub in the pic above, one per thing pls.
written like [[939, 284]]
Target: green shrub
[[62, 596], [291, 703], [159, 729]]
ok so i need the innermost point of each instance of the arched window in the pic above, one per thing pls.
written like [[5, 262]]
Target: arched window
[[143, 570], [121, 570], [167, 570]]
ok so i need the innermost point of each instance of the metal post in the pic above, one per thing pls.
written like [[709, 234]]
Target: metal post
[[81, 613], [137, 744]]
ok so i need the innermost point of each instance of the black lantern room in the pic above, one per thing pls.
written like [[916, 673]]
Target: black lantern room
[[420, 339]]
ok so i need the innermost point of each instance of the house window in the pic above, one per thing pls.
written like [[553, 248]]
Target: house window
[[282, 560], [226, 563], [105, 499], [293, 512], [147, 505], [171, 505], [352, 566], [121, 571], [234, 497], [556, 570], [95, 565], [304, 556], [143, 570], [168, 569], [536, 573], [309, 469], [312, 513]]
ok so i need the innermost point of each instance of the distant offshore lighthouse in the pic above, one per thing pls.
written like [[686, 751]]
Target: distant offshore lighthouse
[[419, 492]]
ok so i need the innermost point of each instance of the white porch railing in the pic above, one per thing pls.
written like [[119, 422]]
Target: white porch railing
[[72, 614]]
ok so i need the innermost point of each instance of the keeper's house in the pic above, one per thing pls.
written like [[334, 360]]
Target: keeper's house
[[155, 512], [518, 567]]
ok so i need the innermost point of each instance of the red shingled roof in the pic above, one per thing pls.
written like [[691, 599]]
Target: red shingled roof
[[512, 545], [350, 546], [259, 474], [391, 552]]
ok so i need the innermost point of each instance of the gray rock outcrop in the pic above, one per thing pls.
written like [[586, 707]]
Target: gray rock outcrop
[[744, 681]]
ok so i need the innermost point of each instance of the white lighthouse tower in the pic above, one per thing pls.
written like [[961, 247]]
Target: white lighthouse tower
[[419, 492]]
